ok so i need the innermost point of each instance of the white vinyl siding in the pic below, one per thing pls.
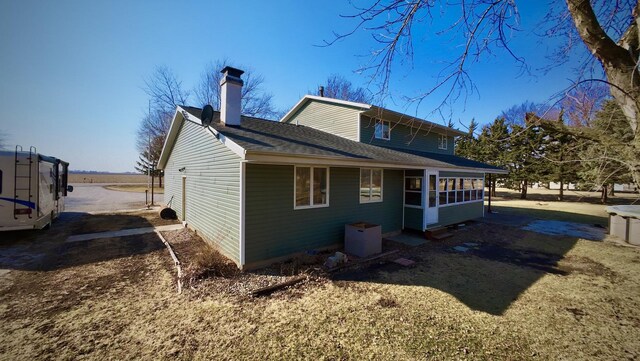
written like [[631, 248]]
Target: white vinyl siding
[[212, 187], [340, 120]]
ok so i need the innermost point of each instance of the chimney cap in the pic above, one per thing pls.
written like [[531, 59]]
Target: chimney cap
[[232, 71]]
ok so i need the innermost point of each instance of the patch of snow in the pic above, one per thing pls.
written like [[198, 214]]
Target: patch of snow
[[559, 228], [460, 249]]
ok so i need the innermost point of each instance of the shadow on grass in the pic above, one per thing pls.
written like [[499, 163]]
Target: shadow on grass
[[551, 214], [570, 196], [495, 266], [46, 250]]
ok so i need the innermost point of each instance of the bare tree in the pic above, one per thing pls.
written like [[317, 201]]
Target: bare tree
[[165, 94], [256, 102], [339, 87], [610, 30], [582, 102]]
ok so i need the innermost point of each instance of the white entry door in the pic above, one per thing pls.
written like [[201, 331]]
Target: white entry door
[[431, 197]]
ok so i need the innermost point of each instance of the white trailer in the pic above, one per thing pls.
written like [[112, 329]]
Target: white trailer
[[32, 189]]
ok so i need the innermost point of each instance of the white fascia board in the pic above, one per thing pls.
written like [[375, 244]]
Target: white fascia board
[[178, 119], [276, 158], [308, 98], [233, 146]]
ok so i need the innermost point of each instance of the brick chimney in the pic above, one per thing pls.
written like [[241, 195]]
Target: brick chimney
[[231, 96]]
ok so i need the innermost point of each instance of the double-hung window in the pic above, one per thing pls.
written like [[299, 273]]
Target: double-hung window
[[311, 187], [442, 141], [413, 192], [370, 185], [383, 130]]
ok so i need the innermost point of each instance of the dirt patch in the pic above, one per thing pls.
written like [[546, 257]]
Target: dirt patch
[[207, 272], [588, 267], [92, 223]]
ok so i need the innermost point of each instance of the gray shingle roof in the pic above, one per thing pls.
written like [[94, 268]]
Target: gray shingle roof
[[265, 136]]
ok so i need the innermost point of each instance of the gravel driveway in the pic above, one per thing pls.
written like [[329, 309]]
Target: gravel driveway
[[94, 197]]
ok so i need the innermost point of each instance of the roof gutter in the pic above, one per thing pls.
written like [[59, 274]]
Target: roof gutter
[[288, 158]]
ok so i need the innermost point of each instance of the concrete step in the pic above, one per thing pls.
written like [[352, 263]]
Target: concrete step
[[438, 234]]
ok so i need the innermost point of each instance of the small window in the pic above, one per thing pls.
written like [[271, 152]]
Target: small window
[[311, 187], [442, 142], [370, 185], [413, 191], [383, 130]]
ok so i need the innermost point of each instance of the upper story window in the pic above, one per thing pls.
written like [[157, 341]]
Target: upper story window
[[442, 141], [311, 187], [383, 130], [370, 185]]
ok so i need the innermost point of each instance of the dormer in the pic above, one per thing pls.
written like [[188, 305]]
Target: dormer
[[372, 124]]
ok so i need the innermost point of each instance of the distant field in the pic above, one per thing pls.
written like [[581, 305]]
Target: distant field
[[107, 178]]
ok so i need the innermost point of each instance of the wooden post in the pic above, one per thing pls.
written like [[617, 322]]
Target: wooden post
[[489, 207], [152, 182]]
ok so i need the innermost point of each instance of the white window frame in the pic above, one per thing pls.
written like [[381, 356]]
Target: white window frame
[[442, 142], [479, 192], [404, 187], [370, 185], [381, 123], [295, 185]]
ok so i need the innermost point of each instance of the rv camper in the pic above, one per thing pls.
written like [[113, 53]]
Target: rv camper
[[32, 189]]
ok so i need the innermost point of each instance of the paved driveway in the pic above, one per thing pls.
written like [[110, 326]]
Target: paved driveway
[[94, 197]]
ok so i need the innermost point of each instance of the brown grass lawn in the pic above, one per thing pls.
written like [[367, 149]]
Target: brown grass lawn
[[519, 295]]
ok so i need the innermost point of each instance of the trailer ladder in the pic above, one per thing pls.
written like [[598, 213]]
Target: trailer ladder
[[18, 190]]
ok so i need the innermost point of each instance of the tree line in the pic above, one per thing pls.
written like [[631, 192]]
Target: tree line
[[533, 152]]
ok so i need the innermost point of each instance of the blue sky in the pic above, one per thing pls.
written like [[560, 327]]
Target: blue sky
[[72, 72]]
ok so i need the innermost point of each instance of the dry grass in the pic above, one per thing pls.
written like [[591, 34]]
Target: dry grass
[[520, 296]]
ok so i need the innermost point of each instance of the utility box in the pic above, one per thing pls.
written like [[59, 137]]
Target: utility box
[[618, 226], [634, 231], [362, 239]]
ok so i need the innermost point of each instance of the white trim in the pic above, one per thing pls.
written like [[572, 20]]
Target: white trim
[[370, 184], [233, 146], [283, 158], [425, 204], [241, 230], [311, 205]]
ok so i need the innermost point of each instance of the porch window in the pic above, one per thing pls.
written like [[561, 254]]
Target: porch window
[[442, 141], [413, 191], [460, 190], [311, 187], [370, 185], [383, 130]]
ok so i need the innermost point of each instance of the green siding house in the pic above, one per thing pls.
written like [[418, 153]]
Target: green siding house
[[262, 191]]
